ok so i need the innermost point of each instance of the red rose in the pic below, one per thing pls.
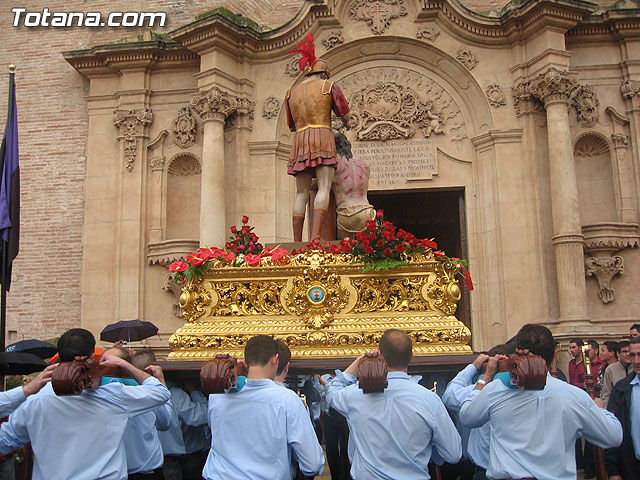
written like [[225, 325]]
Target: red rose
[[194, 259], [387, 252], [251, 248], [241, 246], [254, 237], [234, 229], [258, 246], [346, 248], [389, 236], [303, 250], [368, 250], [294, 252], [400, 248], [245, 230], [178, 266], [380, 243], [366, 243], [401, 234], [371, 237], [380, 213], [245, 219], [413, 242], [335, 249], [359, 236], [228, 245], [409, 236], [371, 225]]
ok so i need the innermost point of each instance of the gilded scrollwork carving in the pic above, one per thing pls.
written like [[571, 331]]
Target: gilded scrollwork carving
[[271, 107], [630, 88], [214, 104], [552, 86], [334, 38], [193, 300], [248, 298], [184, 128], [395, 103], [586, 103], [466, 57], [444, 291], [428, 32], [377, 13], [495, 95], [390, 294], [131, 124], [604, 269]]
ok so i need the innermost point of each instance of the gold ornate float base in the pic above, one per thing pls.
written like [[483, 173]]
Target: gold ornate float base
[[321, 305]]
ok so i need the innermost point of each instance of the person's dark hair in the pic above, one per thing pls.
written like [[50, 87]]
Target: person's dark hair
[[577, 341], [634, 341], [622, 344], [343, 146], [635, 326], [259, 350], [143, 358], [502, 349], [396, 348], [594, 345], [538, 340], [284, 356], [612, 346], [76, 342]]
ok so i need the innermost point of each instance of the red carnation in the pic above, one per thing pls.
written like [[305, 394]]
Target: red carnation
[[387, 252], [245, 219], [178, 266]]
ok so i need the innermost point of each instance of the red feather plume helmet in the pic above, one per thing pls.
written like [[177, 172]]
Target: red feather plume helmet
[[309, 61]]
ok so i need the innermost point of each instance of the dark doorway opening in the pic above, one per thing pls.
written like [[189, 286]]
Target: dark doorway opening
[[439, 214]]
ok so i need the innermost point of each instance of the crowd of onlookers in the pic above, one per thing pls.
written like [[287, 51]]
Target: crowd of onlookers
[[488, 424]]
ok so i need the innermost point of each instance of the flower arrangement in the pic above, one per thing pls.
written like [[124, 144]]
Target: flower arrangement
[[381, 247]]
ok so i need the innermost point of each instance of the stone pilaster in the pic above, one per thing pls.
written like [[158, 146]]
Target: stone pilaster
[[554, 89], [213, 106]]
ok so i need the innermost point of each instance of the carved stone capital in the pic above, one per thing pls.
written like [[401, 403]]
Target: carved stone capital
[[630, 88], [157, 163], [184, 128], [586, 103], [604, 269], [333, 39], [131, 124], [377, 13], [214, 104], [553, 86], [619, 140], [524, 101], [243, 115]]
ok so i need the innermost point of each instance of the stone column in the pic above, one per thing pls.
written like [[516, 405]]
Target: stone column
[[213, 106], [157, 166], [554, 89]]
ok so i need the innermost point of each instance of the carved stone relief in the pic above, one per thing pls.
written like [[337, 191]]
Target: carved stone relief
[[604, 269], [554, 85], [393, 103], [428, 33], [467, 58], [184, 128], [175, 289], [495, 95], [630, 88], [620, 140], [334, 38], [214, 104], [243, 115], [292, 67], [590, 145], [156, 163], [185, 164], [271, 107], [130, 124], [377, 13], [524, 101], [586, 103]]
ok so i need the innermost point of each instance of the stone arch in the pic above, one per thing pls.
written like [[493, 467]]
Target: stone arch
[[594, 175], [182, 196]]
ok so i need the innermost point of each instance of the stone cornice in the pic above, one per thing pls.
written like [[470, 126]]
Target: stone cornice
[[112, 58], [613, 24]]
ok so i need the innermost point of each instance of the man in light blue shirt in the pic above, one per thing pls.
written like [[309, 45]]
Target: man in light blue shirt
[[533, 432], [141, 441], [80, 436], [257, 429], [12, 399], [394, 434]]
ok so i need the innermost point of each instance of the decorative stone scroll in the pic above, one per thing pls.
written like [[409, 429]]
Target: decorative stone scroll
[[334, 38], [184, 128], [377, 13], [495, 96], [428, 33], [630, 88], [131, 125], [271, 107], [175, 289], [394, 103], [467, 58], [586, 103], [214, 104], [554, 85], [604, 269], [292, 67]]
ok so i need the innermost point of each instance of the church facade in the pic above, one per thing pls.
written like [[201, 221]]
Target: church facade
[[510, 133]]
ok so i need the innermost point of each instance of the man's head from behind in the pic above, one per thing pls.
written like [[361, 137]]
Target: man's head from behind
[[143, 358], [284, 357], [538, 340], [396, 348], [118, 352], [76, 343], [261, 353]]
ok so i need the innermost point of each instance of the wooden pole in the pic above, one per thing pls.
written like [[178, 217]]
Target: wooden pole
[[590, 385]]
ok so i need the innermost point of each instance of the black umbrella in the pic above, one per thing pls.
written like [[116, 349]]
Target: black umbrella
[[37, 347], [18, 363], [129, 330]]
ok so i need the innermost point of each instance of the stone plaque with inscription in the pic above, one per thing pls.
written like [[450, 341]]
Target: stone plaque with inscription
[[397, 163]]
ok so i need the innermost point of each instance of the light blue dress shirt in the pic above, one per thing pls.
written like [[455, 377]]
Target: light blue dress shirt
[[635, 415], [11, 400], [394, 434], [80, 436], [141, 441], [256, 430], [192, 412], [533, 432], [475, 441], [171, 439]]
